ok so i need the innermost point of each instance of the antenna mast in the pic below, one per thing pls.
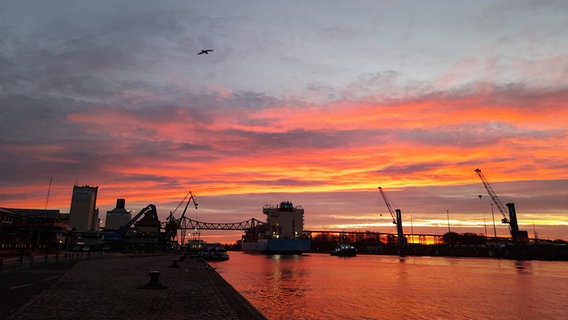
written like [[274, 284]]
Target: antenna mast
[[48, 191]]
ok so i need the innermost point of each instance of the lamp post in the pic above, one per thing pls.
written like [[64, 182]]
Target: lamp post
[[448, 217]]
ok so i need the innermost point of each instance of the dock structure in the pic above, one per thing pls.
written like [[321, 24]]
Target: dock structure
[[131, 287]]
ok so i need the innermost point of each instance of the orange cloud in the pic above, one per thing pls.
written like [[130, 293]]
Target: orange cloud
[[156, 152]]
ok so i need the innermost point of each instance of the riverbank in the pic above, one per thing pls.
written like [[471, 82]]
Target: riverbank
[[121, 287], [545, 251]]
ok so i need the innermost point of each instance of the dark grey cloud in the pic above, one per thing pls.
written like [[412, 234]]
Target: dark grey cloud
[[100, 45], [472, 135], [405, 170], [29, 118], [288, 182]]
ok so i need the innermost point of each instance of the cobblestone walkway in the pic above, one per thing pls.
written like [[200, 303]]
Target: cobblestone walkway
[[110, 288]]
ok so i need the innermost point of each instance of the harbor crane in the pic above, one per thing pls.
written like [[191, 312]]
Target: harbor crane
[[516, 234], [149, 211], [396, 219], [173, 224]]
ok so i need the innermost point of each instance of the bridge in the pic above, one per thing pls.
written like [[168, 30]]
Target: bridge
[[190, 224], [185, 223]]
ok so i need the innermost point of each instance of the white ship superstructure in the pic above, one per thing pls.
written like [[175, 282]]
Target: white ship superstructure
[[282, 232]]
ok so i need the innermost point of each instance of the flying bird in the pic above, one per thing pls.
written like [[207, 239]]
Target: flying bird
[[206, 51]]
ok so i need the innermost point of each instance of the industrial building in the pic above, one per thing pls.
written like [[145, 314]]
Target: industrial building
[[83, 214], [40, 230], [31, 230], [118, 216]]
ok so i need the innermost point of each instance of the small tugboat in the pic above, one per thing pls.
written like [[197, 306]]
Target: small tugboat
[[344, 249]]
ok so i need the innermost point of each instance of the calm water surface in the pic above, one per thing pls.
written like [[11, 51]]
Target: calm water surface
[[320, 286]]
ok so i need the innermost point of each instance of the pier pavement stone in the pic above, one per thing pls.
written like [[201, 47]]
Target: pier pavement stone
[[109, 288]]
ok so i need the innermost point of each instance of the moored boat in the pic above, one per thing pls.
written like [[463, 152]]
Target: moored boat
[[213, 252], [344, 249], [281, 234]]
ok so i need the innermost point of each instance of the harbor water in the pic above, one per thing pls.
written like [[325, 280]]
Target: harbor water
[[320, 286]]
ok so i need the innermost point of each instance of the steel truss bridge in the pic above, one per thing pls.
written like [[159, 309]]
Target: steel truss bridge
[[190, 224], [184, 224]]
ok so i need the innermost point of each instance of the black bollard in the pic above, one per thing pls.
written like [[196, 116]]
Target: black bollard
[[154, 281]]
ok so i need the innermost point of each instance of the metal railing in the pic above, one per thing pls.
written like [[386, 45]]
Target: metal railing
[[33, 261]]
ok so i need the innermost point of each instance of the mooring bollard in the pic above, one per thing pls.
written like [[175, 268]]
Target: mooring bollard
[[154, 281]]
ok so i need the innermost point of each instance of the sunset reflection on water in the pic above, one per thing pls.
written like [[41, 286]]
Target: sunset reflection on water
[[317, 286]]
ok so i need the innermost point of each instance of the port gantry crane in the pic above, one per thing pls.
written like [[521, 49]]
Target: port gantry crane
[[173, 224], [396, 219], [516, 234], [150, 214]]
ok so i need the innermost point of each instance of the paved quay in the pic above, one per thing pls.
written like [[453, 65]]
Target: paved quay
[[121, 287]]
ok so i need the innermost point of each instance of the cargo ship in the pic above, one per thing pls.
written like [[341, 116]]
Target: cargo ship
[[281, 234]]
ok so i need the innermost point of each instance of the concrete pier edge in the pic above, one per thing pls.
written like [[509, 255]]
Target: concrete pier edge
[[241, 305]]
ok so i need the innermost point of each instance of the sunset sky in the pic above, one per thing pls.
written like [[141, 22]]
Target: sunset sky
[[314, 102]]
